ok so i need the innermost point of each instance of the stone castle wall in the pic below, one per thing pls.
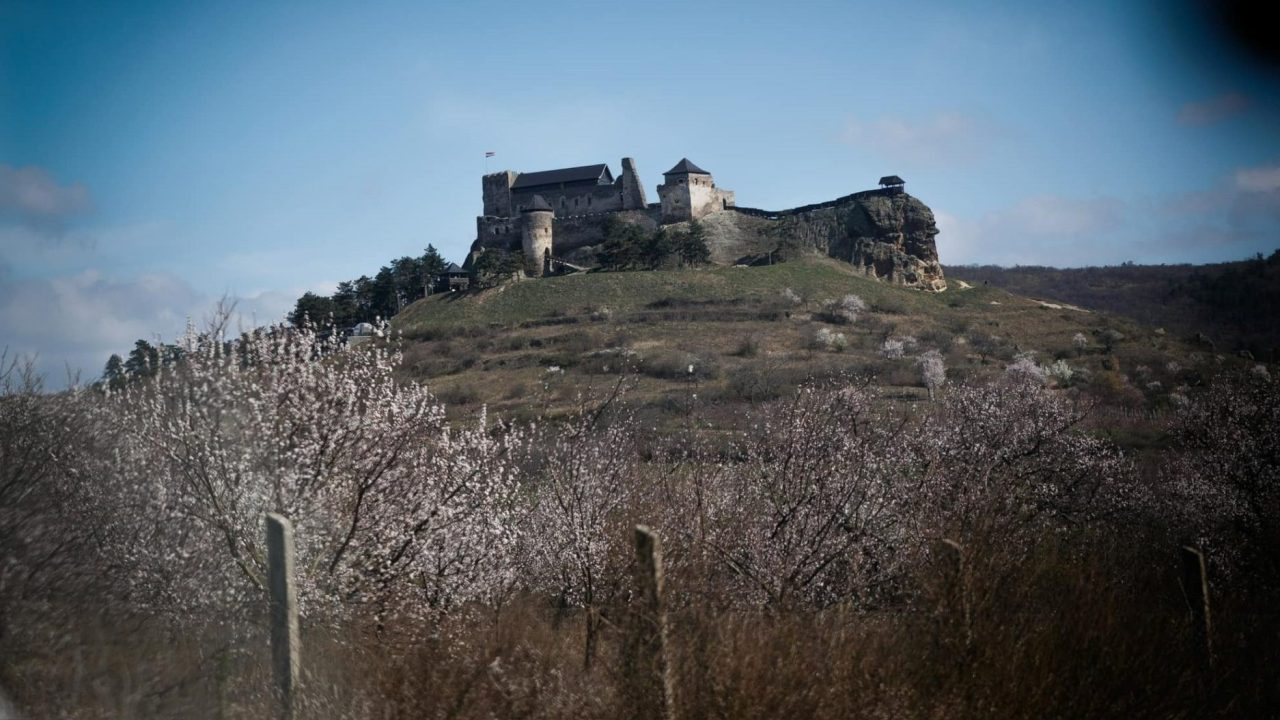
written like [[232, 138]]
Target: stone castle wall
[[574, 200], [568, 233]]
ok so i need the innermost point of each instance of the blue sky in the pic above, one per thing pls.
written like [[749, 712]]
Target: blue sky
[[156, 156]]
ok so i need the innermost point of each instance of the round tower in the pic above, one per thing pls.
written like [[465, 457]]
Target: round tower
[[537, 219]]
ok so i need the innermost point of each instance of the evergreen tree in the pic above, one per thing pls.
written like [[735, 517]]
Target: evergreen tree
[[384, 301], [316, 308], [114, 376], [346, 305], [493, 266], [692, 246], [143, 360], [432, 265], [625, 245], [406, 273], [655, 249]]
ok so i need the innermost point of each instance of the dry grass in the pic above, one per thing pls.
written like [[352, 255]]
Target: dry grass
[[592, 327], [1087, 628]]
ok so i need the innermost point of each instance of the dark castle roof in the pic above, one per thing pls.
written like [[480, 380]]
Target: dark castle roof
[[594, 173], [453, 269], [892, 180], [684, 167], [538, 203]]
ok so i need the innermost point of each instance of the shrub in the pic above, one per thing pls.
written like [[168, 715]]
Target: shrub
[[756, 384], [748, 347], [1025, 367], [675, 365], [843, 311], [825, 339]]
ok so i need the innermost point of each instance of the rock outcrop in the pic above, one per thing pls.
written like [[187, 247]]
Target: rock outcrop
[[889, 236]]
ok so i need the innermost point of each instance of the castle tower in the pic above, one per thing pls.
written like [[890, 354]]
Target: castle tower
[[537, 219], [632, 190], [497, 193], [688, 192]]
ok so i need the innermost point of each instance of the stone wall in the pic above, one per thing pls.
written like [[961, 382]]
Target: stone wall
[[569, 234], [575, 232], [574, 200], [632, 189], [502, 233]]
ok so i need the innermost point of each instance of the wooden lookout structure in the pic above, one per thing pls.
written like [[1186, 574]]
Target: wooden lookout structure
[[456, 277], [893, 185]]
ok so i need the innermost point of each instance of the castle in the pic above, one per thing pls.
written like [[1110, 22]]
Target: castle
[[528, 204], [556, 220]]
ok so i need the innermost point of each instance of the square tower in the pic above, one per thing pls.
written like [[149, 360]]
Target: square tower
[[497, 193], [688, 192]]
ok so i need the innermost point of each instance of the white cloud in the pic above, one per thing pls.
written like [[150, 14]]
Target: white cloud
[[1053, 215], [78, 320], [946, 137], [1043, 229], [1235, 217], [1214, 109], [1259, 179], [30, 196]]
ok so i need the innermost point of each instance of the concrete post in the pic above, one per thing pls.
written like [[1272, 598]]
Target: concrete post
[[653, 684], [284, 612], [1195, 585]]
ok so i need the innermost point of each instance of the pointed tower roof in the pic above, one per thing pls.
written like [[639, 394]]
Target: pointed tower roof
[[684, 167], [539, 204]]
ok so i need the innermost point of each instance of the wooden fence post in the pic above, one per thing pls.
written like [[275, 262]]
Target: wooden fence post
[[961, 595], [284, 612], [652, 692], [1195, 586]]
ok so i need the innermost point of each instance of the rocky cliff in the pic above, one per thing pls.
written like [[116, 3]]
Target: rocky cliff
[[890, 236]]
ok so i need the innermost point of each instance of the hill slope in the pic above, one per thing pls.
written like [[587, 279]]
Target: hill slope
[[1236, 305], [738, 335]]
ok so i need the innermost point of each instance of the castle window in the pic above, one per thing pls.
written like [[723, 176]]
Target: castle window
[[589, 201]]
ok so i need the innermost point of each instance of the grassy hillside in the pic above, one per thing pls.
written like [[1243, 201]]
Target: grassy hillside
[[738, 335], [1236, 305]]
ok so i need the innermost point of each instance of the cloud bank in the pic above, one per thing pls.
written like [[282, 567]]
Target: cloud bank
[[1241, 214], [75, 322], [1213, 110], [947, 137], [30, 196]]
